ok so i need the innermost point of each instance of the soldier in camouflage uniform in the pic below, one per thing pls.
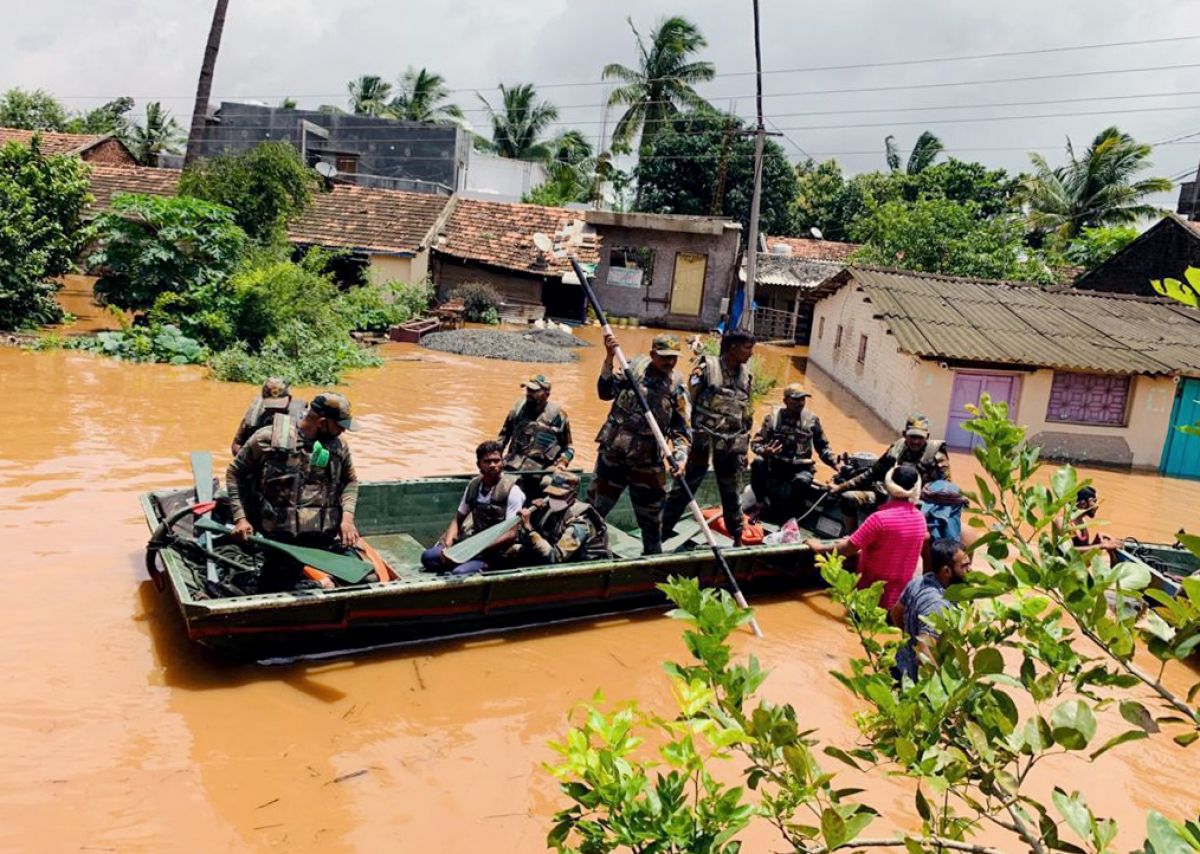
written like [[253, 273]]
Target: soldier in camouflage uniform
[[276, 397], [536, 434], [296, 483], [721, 420], [628, 454], [783, 470], [866, 490], [560, 528]]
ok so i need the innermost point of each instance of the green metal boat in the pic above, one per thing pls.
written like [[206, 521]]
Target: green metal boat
[[400, 519], [1168, 563]]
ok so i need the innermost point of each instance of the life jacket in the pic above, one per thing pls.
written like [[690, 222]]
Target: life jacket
[[552, 528], [626, 430], [723, 403], [493, 512], [928, 465], [536, 443], [753, 533], [796, 435], [259, 415], [298, 497]]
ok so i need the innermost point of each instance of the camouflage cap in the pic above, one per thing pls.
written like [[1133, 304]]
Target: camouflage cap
[[666, 345], [562, 485], [794, 391], [917, 425], [274, 387], [537, 382], [331, 405]]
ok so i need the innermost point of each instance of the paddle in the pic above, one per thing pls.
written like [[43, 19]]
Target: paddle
[[663, 447], [202, 477], [464, 550], [346, 568]]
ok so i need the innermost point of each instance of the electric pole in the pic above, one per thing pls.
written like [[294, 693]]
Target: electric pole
[[747, 319]]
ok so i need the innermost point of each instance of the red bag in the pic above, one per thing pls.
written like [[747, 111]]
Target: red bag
[[752, 533]]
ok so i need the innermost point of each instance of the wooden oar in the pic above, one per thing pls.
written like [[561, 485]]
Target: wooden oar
[[464, 550], [346, 568], [202, 477], [663, 447]]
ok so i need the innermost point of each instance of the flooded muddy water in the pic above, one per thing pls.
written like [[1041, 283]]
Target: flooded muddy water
[[117, 735]]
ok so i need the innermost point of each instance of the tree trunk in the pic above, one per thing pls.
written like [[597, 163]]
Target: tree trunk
[[204, 85]]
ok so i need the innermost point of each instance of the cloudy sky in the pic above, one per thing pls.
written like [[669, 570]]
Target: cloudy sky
[[87, 53]]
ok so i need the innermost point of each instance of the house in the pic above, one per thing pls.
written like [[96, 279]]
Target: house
[[1098, 378], [1164, 250], [93, 147], [785, 278], [388, 232], [369, 151]]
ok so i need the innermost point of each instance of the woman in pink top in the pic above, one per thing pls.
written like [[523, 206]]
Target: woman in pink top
[[889, 544]]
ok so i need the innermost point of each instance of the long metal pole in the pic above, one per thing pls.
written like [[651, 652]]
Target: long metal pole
[[663, 447], [747, 319]]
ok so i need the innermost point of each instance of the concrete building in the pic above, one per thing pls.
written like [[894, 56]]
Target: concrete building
[[1095, 378], [103, 148], [492, 178], [786, 277], [1165, 250]]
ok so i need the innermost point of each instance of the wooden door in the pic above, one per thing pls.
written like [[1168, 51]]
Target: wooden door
[[968, 388], [1181, 452], [687, 288]]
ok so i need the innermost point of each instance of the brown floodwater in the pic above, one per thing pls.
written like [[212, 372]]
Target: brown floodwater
[[117, 735]]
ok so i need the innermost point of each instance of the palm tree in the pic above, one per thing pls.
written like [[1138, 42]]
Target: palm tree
[[518, 125], [1094, 190], [924, 152], [369, 95], [160, 134], [204, 84], [421, 98], [663, 81]]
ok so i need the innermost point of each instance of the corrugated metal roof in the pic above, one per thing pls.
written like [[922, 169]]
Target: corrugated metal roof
[[1015, 323]]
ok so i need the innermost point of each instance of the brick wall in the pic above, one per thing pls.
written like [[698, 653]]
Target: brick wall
[[111, 153]]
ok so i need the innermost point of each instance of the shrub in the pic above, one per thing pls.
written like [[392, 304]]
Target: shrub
[[41, 203], [154, 343], [308, 355], [376, 307], [481, 302]]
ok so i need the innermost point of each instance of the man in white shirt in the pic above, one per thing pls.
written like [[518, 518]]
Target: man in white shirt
[[491, 497]]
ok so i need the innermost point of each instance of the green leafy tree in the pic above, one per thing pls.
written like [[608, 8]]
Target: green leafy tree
[[519, 124], [266, 187], [573, 172], [1096, 189], [990, 190], [1096, 245], [422, 97], [662, 84], [42, 201], [158, 134], [288, 104], [834, 204], [941, 236], [924, 152], [34, 109], [679, 173], [369, 95], [112, 117]]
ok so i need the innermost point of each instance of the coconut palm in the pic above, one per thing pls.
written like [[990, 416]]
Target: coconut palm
[[204, 84], [519, 123], [369, 95], [662, 83], [160, 134], [1094, 190], [924, 152], [421, 98]]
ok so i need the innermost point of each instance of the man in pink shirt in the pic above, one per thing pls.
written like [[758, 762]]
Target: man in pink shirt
[[890, 542]]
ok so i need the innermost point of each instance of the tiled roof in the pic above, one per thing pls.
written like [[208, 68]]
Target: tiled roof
[[501, 234], [51, 142], [371, 219], [1015, 323], [108, 181], [815, 250]]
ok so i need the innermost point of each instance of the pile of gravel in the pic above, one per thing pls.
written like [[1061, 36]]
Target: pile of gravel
[[512, 346], [555, 337]]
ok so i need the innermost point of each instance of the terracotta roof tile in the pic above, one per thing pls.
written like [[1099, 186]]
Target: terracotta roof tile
[[814, 250], [108, 181], [501, 234], [51, 142], [371, 219]]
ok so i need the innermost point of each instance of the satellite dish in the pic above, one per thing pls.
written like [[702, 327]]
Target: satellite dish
[[816, 232], [325, 169], [543, 243]]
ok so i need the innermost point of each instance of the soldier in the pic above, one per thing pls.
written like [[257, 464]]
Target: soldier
[[296, 483], [628, 454], [866, 490], [783, 469], [560, 528], [276, 397], [721, 422], [537, 435], [490, 497]]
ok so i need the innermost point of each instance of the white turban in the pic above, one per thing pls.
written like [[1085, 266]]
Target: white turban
[[895, 490]]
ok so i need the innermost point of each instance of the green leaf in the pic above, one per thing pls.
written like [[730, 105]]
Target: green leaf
[[1132, 575], [988, 660], [923, 809], [1073, 809], [841, 755], [833, 828], [1165, 835], [1073, 724], [1191, 542], [1138, 715], [1186, 738], [1064, 482], [1129, 735]]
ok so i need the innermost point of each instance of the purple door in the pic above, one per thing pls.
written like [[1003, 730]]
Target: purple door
[[968, 388]]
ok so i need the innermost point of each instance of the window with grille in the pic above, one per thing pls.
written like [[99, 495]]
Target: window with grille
[[1088, 399], [862, 349], [837, 339]]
